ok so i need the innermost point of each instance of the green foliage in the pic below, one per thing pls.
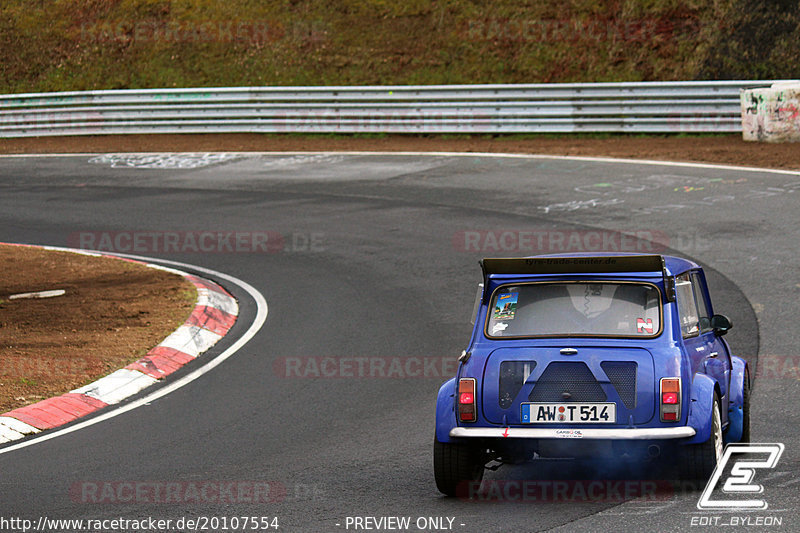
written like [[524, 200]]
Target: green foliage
[[111, 44]]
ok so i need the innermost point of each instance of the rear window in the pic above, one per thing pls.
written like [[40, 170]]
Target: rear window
[[575, 309]]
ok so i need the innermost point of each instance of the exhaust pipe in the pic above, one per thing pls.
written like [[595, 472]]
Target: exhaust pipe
[[654, 451]]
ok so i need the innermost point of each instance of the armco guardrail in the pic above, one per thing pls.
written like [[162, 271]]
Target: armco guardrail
[[646, 107]]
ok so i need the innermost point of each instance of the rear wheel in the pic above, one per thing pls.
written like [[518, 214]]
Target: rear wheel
[[699, 460], [457, 467], [746, 410]]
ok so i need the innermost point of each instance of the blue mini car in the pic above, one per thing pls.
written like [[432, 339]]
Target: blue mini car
[[583, 355]]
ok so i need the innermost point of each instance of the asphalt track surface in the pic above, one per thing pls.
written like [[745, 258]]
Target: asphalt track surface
[[387, 277]]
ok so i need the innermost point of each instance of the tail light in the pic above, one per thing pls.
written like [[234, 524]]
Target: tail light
[[670, 399], [466, 400]]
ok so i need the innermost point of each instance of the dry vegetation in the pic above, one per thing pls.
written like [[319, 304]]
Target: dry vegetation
[[113, 44]]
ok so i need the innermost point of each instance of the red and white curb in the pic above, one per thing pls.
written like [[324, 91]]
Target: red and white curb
[[214, 314]]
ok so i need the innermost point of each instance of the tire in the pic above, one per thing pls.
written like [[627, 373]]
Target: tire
[[746, 410], [455, 466], [699, 460]]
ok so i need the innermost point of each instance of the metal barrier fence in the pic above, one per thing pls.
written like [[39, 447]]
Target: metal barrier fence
[[637, 107]]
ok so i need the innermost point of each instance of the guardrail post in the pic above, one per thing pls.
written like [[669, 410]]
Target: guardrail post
[[771, 114]]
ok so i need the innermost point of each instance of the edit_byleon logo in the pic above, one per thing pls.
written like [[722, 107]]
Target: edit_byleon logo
[[738, 485]]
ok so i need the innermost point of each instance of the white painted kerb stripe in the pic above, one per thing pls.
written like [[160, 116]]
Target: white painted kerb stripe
[[217, 300], [191, 340], [13, 429], [117, 386]]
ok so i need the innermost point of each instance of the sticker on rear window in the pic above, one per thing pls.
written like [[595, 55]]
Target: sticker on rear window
[[506, 306], [498, 327], [644, 326]]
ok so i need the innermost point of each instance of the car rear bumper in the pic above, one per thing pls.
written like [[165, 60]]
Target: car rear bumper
[[576, 433]]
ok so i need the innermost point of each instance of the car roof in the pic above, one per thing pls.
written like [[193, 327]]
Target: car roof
[[674, 265]]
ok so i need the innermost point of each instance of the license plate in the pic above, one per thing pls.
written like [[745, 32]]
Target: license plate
[[569, 413]]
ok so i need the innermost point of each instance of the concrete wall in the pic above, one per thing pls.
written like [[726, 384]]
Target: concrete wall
[[772, 114]]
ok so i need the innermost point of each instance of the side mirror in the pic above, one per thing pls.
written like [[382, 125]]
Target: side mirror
[[721, 324]]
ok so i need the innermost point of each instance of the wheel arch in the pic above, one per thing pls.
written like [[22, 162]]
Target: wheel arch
[[445, 411], [740, 374], [701, 402]]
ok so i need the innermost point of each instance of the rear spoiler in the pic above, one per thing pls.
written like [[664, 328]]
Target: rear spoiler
[[580, 265]]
